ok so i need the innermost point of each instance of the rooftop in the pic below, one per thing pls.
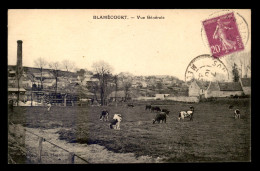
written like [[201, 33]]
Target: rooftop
[[15, 89], [230, 86], [246, 82]]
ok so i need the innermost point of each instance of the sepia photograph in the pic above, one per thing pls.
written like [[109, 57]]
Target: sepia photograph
[[110, 86]]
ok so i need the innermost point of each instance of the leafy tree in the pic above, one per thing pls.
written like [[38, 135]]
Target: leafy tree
[[235, 73], [54, 68]]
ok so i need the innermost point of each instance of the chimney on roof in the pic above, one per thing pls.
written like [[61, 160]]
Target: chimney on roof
[[19, 63]]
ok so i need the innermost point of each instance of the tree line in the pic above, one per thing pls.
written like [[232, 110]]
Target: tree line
[[102, 71]]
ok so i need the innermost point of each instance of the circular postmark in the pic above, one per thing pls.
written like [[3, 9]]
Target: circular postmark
[[240, 21], [206, 68]]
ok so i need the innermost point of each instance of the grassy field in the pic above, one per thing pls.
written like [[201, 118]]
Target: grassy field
[[213, 135]]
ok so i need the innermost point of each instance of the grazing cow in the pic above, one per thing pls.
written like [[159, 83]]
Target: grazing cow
[[237, 114], [160, 117], [166, 111], [130, 105], [115, 123], [148, 107], [187, 114], [104, 115], [155, 108], [11, 105], [49, 106], [230, 107]]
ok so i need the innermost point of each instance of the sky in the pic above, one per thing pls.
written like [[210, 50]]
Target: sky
[[139, 46]]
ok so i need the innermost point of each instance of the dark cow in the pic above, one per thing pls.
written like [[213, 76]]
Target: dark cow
[[11, 105], [148, 107], [112, 123], [160, 117], [155, 108], [166, 111], [230, 107], [130, 105], [104, 115]]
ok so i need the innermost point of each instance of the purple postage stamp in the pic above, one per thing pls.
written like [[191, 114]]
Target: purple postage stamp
[[223, 35]]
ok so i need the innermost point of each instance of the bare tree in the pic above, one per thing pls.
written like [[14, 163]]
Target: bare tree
[[116, 87], [103, 73], [68, 65], [127, 85], [40, 63], [126, 79]]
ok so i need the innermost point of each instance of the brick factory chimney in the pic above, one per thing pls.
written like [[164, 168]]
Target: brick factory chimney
[[19, 68], [19, 64]]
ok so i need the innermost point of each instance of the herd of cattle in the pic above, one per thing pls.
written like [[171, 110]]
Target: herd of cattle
[[161, 115]]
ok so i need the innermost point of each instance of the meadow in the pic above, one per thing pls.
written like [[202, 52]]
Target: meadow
[[213, 135]]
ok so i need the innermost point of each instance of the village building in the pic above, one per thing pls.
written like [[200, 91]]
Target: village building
[[116, 96], [87, 80], [161, 96], [197, 88], [246, 85], [13, 92], [48, 83], [74, 80], [44, 75], [144, 84], [26, 83], [224, 89], [167, 82]]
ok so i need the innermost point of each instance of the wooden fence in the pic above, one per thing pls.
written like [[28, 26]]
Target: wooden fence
[[71, 155]]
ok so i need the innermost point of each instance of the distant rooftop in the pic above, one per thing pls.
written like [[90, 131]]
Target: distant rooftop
[[246, 82], [15, 89], [230, 86], [202, 84]]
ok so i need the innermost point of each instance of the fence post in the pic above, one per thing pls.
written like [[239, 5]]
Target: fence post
[[23, 136], [71, 158], [40, 150], [15, 131]]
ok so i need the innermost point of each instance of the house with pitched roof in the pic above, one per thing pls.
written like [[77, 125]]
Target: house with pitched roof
[[119, 95], [223, 89], [246, 85], [197, 88], [13, 91]]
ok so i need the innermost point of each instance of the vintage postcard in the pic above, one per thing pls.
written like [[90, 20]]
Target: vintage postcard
[[109, 86]]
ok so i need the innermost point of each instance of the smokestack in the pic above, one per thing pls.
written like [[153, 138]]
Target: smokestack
[[19, 63]]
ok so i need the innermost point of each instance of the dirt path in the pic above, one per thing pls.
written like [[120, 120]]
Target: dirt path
[[54, 155]]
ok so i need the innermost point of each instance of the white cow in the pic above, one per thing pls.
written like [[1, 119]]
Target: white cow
[[115, 123], [49, 106], [186, 114]]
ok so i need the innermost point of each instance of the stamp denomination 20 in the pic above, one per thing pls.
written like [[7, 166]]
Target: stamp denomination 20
[[223, 35]]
